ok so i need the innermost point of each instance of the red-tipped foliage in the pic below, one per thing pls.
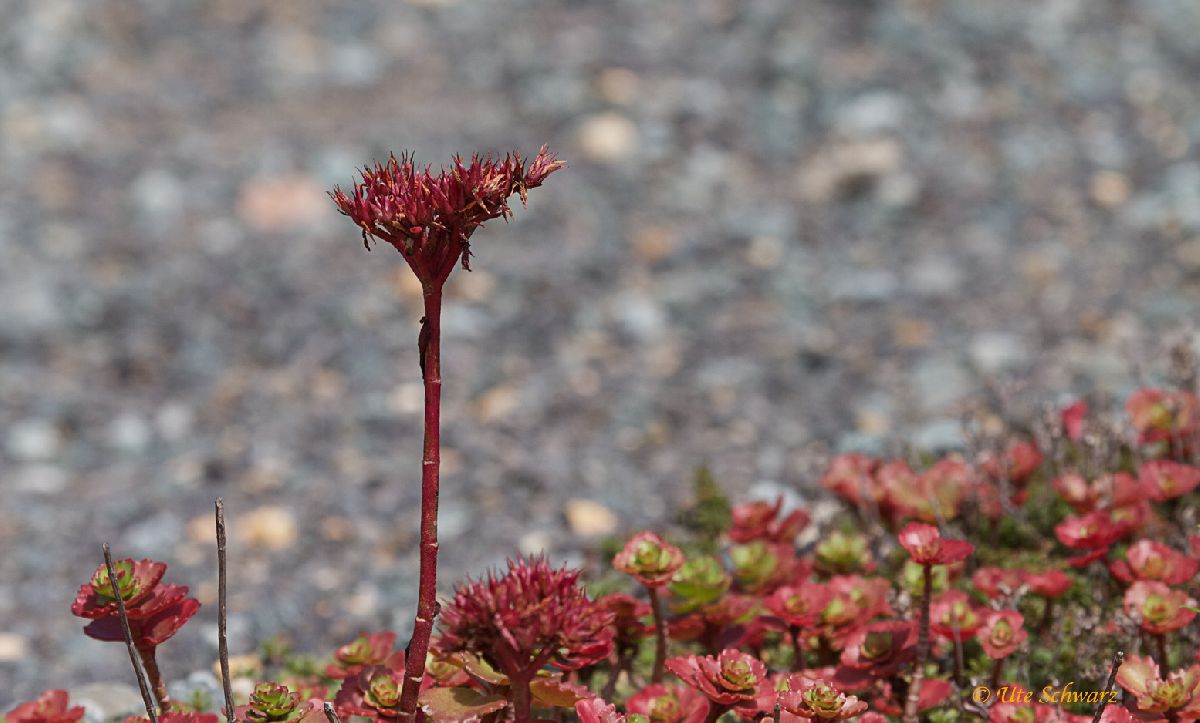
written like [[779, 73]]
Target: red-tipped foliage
[[1001, 633], [649, 559], [430, 218], [669, 704], [52, 706], [156, 611], [760, 520], [733, 678], [926, 545], [528, 618], [366, 650]]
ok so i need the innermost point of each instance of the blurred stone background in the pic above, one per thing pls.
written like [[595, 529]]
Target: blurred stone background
[[788, 227]]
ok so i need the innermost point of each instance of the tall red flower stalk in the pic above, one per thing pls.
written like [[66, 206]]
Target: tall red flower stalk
[[926, 546], [430, 219]]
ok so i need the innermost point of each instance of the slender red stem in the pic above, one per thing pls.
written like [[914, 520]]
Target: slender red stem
[[157, 684], [427, 607], [521, 701], [660, 636], [918, 677]]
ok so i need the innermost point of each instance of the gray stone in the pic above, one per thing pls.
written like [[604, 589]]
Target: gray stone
[[33, 440], [104, 701], [994, 351], [939, 435]]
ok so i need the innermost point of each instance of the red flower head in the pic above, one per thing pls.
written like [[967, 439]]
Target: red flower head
[[1150, 560], [1165, 480], [1050, 584], [731, 679], [1001, 633], [877, 650], [851, 476], [649, 559], [934, 494], [760, 520], [798, 606], [430, 219], [530, 617], [811, 699], [669, 704], [1179, 693], [951, 613], [926, 545], [1093, 531], [49, 707], [1160, 415], [373, 692], [364, 651], [1159, 608], [1074, 416], [997, 582], [1021, 460], [156, 611]]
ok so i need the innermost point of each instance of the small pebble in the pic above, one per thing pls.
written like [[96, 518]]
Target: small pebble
[[588, 518]]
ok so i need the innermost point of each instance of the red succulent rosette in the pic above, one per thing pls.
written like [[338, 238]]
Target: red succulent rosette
[[136, 581], [929, 496], [373, 692], [1165, 480], [1093, 532], [49, 707], [663, 703], [1050, 584], [997, 582], [1150, 560], [1160, 415], [1073, 418], [364, 651], [649, 559], [1021, 459], [1002, 632], [1158, 608], [877, 650], [152, 621], [760, 520], [926, 545], [596, 710], [429, 218], [798, 606], [733, 678], [528, 618], [156, 611], [816, 699], [1178, 694], [851, 476], [952, 614]]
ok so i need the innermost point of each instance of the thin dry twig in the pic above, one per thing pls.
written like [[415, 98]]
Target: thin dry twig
[[133, 656], [222, 632], [1112, 678], [331, 714]]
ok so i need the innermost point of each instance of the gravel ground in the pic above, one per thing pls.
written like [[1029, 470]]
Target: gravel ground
[[787, 226]]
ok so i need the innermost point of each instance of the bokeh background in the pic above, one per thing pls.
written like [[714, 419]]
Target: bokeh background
[[788, 227]]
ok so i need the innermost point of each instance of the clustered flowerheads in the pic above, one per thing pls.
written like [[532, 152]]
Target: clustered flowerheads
[[430, 218], [1018, 557], [527, 618]]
